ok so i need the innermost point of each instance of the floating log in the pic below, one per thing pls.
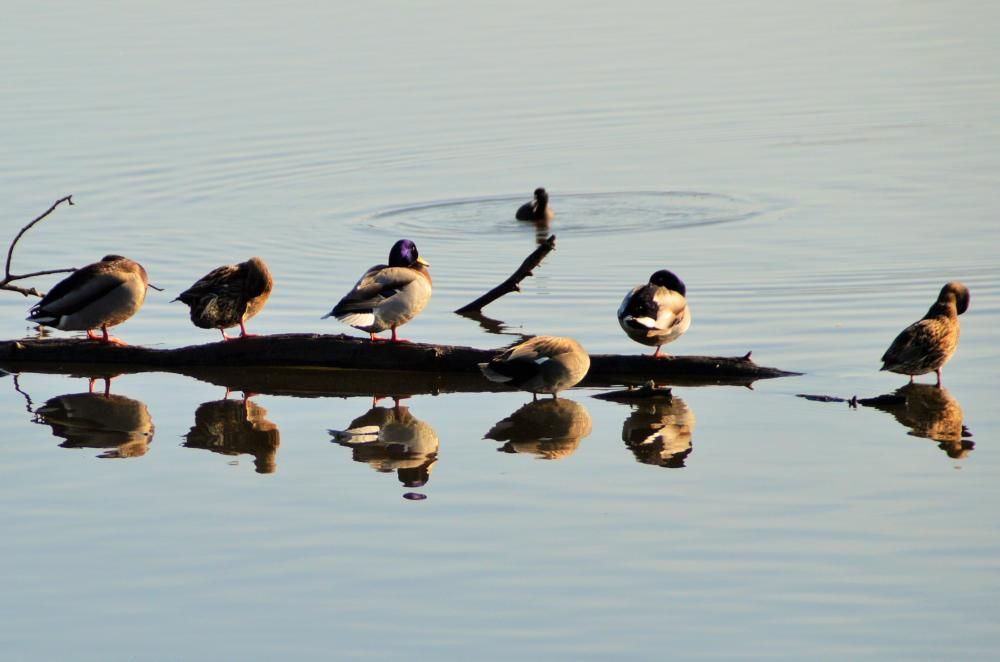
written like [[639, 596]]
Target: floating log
[[318, 364]]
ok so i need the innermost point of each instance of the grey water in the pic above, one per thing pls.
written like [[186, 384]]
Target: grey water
[[814, 172]]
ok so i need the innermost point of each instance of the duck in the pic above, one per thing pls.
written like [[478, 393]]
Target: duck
[[543, 364], [97, 296], [387, 295], [656, 313], [236, 427], [229, 296], [927, 344], [536, 210], [121, 426]]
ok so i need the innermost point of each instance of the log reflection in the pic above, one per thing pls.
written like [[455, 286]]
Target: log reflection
[[930, 412], [550, 429], [391, 439], [659, 432], [121, 425], [235, 427]]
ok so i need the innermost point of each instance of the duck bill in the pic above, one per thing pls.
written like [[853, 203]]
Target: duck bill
[[422, 261]]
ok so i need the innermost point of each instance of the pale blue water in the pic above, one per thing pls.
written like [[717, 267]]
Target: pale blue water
[[814, 173]]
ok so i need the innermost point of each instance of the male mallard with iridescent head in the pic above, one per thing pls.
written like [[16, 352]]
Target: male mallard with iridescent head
[[536, 210], [387, 296], [656, 313], [927, 344], [544, 364], [229, 296], [97, 296]]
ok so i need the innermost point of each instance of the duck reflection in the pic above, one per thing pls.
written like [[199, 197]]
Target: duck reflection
[[234, 427], [392, 439], [121, 425], [930, 412], [549, 429], [659, 432]]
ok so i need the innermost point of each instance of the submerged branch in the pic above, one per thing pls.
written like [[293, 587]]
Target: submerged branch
[[9, 277], [511, 284]]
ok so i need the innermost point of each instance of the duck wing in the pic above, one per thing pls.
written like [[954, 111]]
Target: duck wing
[[81, 288], [379, 284]]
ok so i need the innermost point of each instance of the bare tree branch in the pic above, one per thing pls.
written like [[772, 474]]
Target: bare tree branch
[[8, 276], [510, 285]]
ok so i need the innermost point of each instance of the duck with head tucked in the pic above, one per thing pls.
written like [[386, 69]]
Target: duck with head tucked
[[656, 313], [927, 344], [543, 364], [387, 295], [537, 210], [229, 296], [97, 296]]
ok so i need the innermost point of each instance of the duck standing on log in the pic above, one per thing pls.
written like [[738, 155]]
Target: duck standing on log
[[387, 296], [544, 364], [927, 344], [97, 296], [656, 313], [536, 210], [229, 296]]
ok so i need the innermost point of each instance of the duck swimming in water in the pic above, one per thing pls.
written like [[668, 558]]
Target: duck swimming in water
[[927, 344], [536, 210]]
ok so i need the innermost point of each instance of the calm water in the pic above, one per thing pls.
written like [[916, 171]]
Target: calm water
[[814, 173]]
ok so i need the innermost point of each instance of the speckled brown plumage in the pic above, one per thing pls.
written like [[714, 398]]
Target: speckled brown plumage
[[926, 345], [229, 295]]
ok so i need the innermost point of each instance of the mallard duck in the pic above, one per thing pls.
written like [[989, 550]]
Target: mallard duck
[[536, 210], [544, 364], [927, 344], [229, 296], [931, 412], [97, 296], [656, 313], [387, 296]]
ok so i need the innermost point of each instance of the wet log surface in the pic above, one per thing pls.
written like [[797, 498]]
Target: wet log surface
[[324, 365]]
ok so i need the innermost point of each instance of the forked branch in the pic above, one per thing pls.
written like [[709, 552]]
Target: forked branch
[[510, 285], [5, 284]]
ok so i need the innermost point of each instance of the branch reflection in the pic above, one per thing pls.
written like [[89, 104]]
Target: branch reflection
[[550, 429], [121, 425], [930, 412], [392, 439], [234, 427]]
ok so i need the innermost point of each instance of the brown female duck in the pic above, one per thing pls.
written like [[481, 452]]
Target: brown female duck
[[229, 296], [927, 344], [544, 364]]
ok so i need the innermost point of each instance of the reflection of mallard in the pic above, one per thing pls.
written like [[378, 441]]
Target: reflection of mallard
[[98, 296], [930, 412], [927, 344], [232, 427], [543, 364], [659, 432], [229, 296], [549, 429], [94, 420], [392, 439]]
